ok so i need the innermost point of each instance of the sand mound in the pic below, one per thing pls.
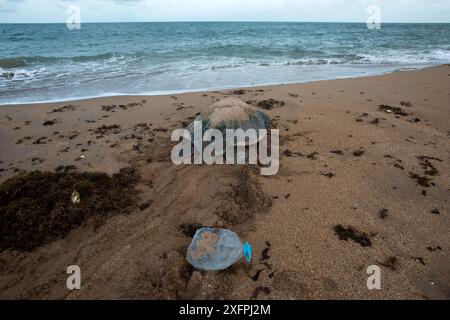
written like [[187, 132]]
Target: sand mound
[[245, 199]]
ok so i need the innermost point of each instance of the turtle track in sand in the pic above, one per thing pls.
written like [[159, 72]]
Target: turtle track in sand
[[189, 197]]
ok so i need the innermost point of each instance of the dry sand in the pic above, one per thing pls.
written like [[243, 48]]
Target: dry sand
[[342, 162]]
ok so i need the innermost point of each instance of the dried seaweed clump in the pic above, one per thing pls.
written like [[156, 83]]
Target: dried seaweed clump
[[36, 207], [351, 233]]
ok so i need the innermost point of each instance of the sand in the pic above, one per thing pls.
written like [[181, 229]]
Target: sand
[[359, 185]]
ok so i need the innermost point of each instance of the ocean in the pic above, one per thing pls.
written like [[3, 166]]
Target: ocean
[[49, 62]]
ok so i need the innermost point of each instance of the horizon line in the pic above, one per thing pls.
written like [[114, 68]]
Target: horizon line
[[226, 21]]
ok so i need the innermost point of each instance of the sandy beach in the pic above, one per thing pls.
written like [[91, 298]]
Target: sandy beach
[[363, 158]]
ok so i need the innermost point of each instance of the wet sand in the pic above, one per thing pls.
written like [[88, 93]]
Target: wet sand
[[364, 180]]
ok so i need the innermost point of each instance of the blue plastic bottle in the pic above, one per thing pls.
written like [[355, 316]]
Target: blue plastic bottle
[[217, 249]]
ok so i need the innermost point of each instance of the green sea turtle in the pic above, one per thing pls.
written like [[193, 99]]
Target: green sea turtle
[[231, 113]]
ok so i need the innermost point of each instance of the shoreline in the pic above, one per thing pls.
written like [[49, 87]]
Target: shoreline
[[205, 90]]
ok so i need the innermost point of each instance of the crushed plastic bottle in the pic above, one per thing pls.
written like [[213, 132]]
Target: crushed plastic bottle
[[217, 249]]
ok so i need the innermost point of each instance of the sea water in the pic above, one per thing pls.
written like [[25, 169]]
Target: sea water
[[49, 62]]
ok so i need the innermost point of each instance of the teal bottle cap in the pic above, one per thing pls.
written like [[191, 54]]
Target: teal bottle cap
[[248, 251]]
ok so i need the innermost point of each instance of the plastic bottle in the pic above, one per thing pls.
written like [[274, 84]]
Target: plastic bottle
[[217, 249]]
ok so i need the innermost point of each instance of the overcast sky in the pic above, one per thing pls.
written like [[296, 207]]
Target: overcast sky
[[228, 10]]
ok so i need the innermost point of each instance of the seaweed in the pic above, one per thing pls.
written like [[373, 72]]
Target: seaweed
[[421, 181], [338, 152], [383, 213], [50, 122], [390, 109], [104, 129], [359, 153], [351, 233], [312, 156], [265, 253], [406, 103], [36, 207], [41, 140], [113, 107], [257, 274], [425, 163], [268, 104], [435, 211], [391, 263], [328, 174], [420, 260], [64, 109]]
